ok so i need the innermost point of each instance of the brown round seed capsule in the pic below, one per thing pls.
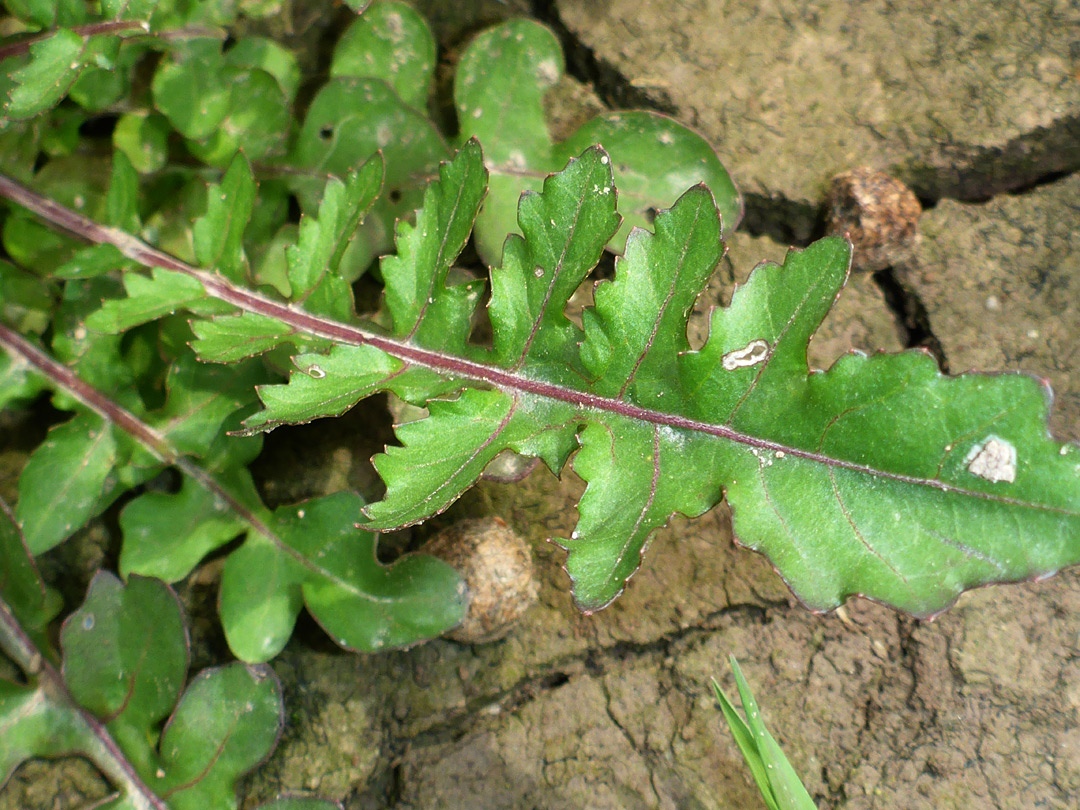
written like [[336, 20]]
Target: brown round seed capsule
[[497, 567], [877, 212]]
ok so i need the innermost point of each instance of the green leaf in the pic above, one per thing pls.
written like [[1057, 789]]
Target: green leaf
[[106, 77], [324, 385], [21, 587], [148, 299], [167, 535], [52, 66], [219, 234], [49, 13], [499, 90], [144, 139], [226, 724], [389, 41], [316, 557], [18, 383], [779, 784], [31, 725], [257, 121], [26, 301], [266, 55], [313, 262], [426, 250], [60, 486], [122, 201], [350, 120], [655, 159], [188, 89], [126, 658], [203, 402], [880, 477], [229, 338]]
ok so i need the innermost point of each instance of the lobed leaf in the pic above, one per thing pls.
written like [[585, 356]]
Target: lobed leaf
[[51, 68], [880, 477], [311, 554], [125, 660], [823, 471]]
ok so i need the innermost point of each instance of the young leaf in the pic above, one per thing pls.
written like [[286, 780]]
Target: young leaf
[[779, 784], [499, 89]]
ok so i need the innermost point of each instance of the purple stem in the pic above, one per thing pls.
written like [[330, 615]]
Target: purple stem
[[63, 377], [101, 748], [500, 378]]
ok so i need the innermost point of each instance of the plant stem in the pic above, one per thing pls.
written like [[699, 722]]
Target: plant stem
[[142, 28], [63, 377], [101, 748], [451, 365]]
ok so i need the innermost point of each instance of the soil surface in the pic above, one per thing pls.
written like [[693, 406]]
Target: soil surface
[[976, 105]]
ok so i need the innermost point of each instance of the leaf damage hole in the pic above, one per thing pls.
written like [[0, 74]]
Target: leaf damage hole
[[993, 459], [749, 355]]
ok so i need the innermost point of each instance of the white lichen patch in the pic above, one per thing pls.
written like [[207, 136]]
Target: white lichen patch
[[993, 459], [548, 71], [749, 355]]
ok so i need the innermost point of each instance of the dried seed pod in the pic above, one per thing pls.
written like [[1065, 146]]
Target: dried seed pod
[[877, 212], [497, 567]]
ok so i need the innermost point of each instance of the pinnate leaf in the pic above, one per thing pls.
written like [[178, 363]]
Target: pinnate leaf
[[825, 471]]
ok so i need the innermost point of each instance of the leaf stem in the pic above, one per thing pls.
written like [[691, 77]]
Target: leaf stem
[[63, 377], [21, 46], [101, 748], [448, 364]]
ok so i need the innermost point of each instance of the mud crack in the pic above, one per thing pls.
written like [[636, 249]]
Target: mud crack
[[912, 317]]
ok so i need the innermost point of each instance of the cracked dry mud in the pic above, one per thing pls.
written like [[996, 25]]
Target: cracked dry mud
[[979, 708]]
